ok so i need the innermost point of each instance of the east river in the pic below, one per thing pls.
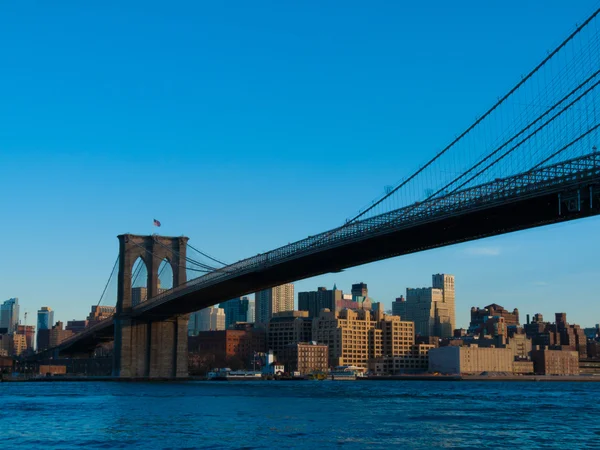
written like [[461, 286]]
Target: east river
[[304, 414]]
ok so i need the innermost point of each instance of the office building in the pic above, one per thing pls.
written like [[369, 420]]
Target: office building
[[29, 332], [76, 326], [228, 345], [5, 344], [398, 305], [305, 357], [140, 294], [251, 311], [274, 300], [555, 362], [9, 315], [416, 361], [355, 337], [446, 310], [19, 342], [481, 315], [288, 327], [334, 300], [58, 334], [470, 360], [45, 320], [100, 313], [314, 301], [238, 310], [431, 309], [207, 319]]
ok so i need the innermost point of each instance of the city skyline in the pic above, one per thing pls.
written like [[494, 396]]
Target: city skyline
[[63, 168]]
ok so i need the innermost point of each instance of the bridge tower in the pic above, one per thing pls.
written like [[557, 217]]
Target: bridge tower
[[149, 347]]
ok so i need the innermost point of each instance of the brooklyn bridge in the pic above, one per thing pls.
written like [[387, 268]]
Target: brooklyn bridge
[[530, 160]]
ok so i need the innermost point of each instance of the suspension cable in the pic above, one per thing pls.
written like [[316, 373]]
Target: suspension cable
[[112, 272], [478, 121], [545, 113], [190, 260], [207, 256]]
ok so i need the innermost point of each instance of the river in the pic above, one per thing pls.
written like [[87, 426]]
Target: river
[[303, 414]]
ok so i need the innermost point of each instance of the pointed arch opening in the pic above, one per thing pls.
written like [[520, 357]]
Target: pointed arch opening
[[139, 282], [165, 276]]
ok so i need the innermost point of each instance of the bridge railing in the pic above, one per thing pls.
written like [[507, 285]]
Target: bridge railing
[[499, 190]]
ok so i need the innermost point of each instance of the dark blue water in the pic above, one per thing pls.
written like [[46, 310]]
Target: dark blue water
[[326, 414]]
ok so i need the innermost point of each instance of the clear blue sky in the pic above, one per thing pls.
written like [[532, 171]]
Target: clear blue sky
[[247, 125]]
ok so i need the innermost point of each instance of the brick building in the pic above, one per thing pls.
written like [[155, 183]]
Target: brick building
[[227, 344], [76, 326], [288, 327], [557, 336], [414, 362], [305, 357], [481, 315], [58, 334], [555, 362], [99, 313]]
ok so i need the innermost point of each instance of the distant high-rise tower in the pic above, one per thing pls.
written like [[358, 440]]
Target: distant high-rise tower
[[431, 309], [45, 320], [446, 283], [140, 294], [207, 319], [9, 315], [359, 291], [251, 312], [274, 300], [238, 310], [315, 301]]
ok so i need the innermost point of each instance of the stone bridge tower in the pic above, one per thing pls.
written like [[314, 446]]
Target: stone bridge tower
[[143, 347]]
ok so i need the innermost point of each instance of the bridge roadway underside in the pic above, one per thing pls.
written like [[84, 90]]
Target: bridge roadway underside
[[470, 225], [467, 226]]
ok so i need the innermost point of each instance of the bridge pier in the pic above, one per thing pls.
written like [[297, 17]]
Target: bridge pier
[[151, 349], [168, 348]]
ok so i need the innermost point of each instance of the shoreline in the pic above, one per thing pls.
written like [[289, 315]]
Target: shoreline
[[424, 377]]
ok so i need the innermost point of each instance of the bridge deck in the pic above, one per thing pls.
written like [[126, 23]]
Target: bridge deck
[[462, 206], [523, 201]]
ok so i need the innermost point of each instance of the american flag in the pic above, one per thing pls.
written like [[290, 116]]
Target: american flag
[[156, 223]]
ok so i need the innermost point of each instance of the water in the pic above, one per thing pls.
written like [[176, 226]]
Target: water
[[311, 414]]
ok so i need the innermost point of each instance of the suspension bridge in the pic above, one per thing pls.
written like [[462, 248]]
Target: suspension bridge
[[530, 160]]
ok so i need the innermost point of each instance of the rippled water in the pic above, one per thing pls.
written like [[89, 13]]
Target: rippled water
[[306, 414]]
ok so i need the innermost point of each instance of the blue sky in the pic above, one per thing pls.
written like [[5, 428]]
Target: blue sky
[[246, 126]]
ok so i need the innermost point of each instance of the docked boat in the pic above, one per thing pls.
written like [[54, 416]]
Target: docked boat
[[347, 373], [227, 374]]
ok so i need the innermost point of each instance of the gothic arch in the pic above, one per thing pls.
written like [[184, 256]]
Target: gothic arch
[[152, 250]]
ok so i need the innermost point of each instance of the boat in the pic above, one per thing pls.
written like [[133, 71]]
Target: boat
[[317, 375], [226, 374], [347, 373]]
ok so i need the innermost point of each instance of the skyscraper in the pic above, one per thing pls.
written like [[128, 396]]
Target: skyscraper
[[9, 315], [207, 319], [446, 284], [359, 290], [431, 309], [251, 312], [140, 294], [238, 310], [45, 320], [274, 300], [315, 301]]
